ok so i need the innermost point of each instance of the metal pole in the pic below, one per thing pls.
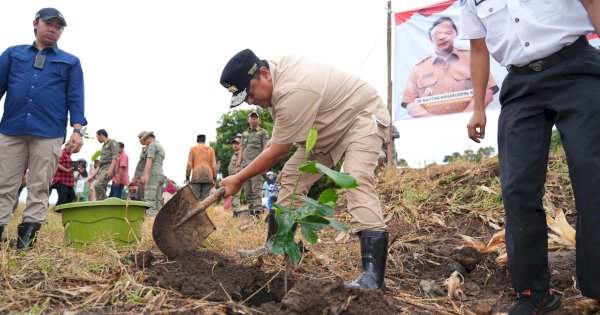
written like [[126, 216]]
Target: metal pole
[[390, 147]]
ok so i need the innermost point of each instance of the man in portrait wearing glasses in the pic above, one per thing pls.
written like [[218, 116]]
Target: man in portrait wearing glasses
[[441, 83], [43, 87]]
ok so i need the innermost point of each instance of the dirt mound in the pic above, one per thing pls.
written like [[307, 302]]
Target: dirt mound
[[213, 277], [207, 275], [330, 297]]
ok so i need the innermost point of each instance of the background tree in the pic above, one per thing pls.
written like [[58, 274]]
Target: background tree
[[470, 155], [402, 162], [555, 142], [229, 125]]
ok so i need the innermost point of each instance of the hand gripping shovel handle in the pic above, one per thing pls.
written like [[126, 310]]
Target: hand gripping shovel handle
[[212, 198]]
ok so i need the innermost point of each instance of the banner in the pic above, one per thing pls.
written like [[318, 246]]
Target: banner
[[431, 64]]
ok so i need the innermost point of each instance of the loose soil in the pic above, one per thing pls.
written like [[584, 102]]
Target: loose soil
[[425, 248]]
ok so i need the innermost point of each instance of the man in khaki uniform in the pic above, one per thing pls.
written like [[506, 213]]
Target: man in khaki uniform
[[254, 140], [109, 154], [446, 71], [153, 178], [233, 169], [351, 120]]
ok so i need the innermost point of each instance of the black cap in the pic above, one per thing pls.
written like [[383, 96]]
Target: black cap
[[47, 14], [237, 74]]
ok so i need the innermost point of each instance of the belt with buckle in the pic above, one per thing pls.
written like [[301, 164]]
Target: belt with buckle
[[547, 62]]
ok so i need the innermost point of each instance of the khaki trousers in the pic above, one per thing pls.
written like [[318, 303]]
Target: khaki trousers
[[153, 193], [360, 160], [41, 156], [235, 202], [252, 189], [101, 182]]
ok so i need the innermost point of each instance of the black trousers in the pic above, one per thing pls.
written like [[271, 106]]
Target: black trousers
[[66, 194], [566, 94], [202, 190]]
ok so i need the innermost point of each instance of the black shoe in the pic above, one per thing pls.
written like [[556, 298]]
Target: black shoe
[[536, 304], [27, 234], [373, 250]]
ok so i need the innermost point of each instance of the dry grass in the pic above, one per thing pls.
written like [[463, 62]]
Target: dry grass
[[53, 277]]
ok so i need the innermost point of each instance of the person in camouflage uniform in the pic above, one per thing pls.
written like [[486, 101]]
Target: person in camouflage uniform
[[109, 154], [233, 169], [153, 178], [254, 140], [139, 168]]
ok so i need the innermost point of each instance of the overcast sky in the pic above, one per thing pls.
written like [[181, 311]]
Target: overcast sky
[[155, 65]]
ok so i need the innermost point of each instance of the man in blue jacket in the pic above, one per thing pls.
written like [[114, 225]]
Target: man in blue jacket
[[43, 87]]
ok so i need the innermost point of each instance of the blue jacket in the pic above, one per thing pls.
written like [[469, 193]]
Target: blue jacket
[[38, 101]]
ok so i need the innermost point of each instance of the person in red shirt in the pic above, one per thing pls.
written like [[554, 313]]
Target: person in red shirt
[[121, 177], [63, 180]]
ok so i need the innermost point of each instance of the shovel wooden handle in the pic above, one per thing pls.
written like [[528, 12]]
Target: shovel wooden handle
[[212, 198]]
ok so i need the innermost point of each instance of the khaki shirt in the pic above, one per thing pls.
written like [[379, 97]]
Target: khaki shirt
[[253, 143], [109, 152], [233, 163], [157, 153], [343, 107], [434, 75]]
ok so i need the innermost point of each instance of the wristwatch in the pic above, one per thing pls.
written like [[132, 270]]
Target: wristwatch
[[79, 131]]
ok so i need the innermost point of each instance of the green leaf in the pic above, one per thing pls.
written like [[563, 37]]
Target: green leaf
[[314, 219], [337, 225], [278, 241], [309, 167], [324, 210], [315, 227], [342, 179], [95, 155], [309, 234], [293, 251], [285, 221], [305, 210], [328, 197], [280, 209], [311, 139]]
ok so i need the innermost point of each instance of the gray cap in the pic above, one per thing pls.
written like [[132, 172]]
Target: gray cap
[[47, 14]]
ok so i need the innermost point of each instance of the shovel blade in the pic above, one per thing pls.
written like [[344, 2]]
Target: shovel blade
[[175, 241]]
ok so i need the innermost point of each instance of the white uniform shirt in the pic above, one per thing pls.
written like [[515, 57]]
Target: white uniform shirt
[[518, 32]]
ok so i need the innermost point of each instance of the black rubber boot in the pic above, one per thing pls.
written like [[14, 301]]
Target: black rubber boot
[[373, 250], [273, 226], [27, 234], [266, 247]]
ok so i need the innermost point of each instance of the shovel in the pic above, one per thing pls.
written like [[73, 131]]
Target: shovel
[[182, 223]]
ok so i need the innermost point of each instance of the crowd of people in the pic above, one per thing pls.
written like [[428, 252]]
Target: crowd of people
[[552, 80]]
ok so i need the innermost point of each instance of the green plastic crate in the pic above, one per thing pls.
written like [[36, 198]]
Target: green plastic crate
[[86, 221]]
